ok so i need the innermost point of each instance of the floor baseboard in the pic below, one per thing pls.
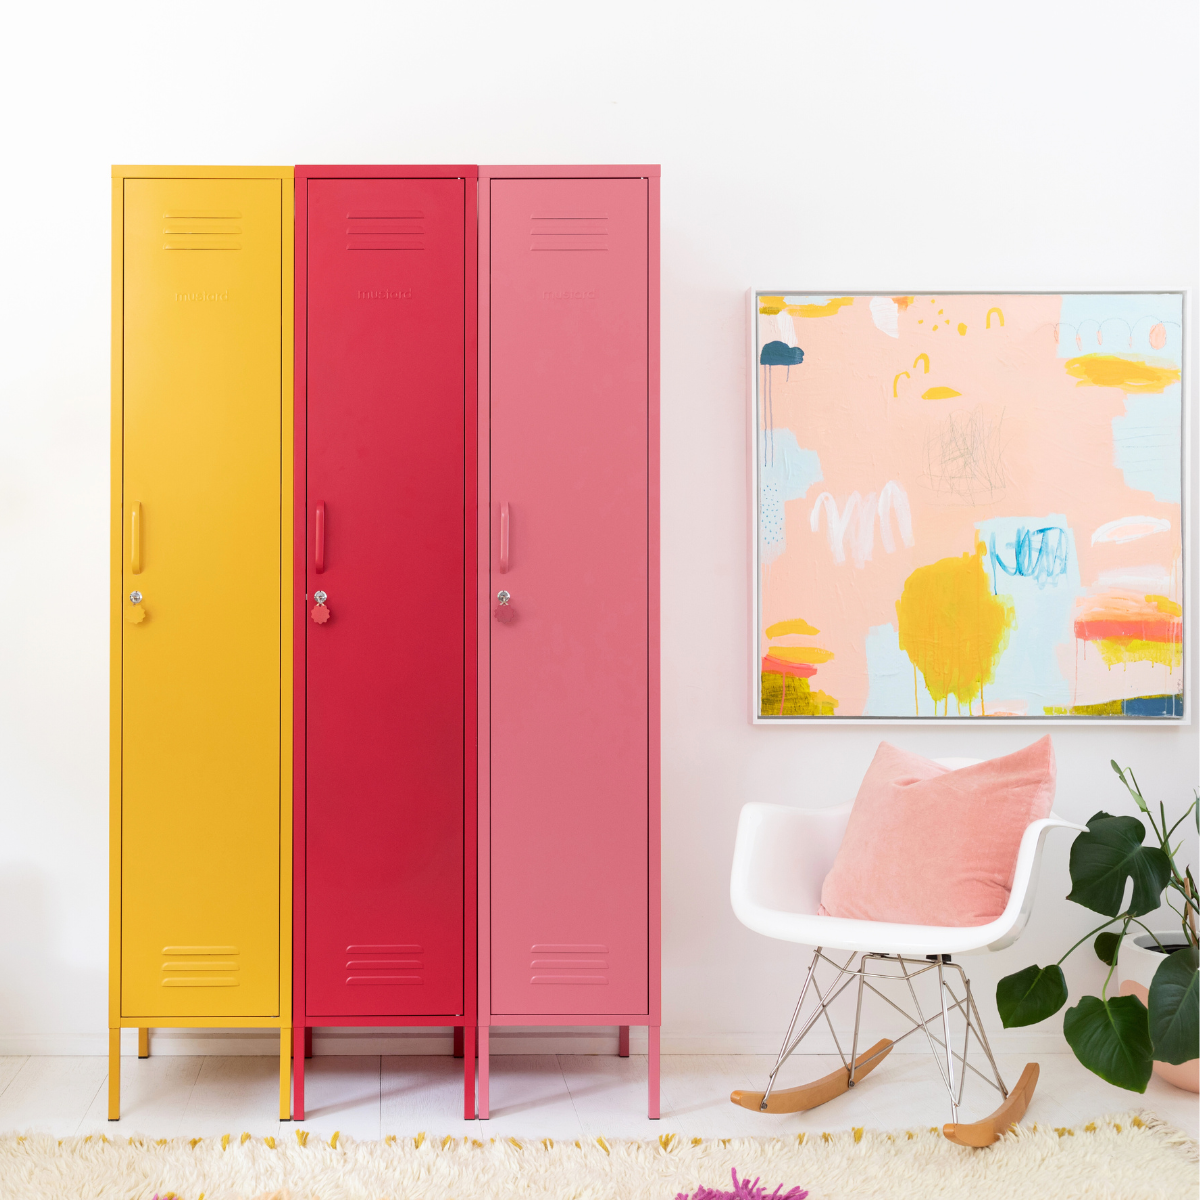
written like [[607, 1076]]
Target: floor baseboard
[[545, 1040]]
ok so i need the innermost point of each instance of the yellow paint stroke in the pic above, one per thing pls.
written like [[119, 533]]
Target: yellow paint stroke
[[819, 310], [962, 329], [896, 381], [951, 626], [1165, 605], [940, 393], [902, 302], [988, 320], [797, 699], [1126, 372], [783, 628], [1106, 708], [801, 654], [1127, 650], [922, 358], [770, 305]]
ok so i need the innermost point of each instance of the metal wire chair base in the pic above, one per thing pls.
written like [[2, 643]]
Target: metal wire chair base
[[875, 966]]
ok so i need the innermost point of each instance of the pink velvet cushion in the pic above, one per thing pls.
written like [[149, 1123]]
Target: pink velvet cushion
[[929, 846]]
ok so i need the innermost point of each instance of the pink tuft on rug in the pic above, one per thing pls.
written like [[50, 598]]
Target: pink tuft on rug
[[743, 1189]]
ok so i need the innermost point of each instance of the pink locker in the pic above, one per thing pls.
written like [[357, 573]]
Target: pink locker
[[568, 636]]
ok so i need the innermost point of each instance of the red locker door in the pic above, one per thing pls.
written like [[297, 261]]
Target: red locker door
[[385, 501], [569, 701]]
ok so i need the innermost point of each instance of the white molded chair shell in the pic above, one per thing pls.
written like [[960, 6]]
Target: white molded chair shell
[[783, 854]]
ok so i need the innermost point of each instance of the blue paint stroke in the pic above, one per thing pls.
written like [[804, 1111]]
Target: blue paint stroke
[[780, 354], [1152, 706], [1038, 554], [1124, 324], [1147, 443], [1032, 560], [890, 674], [785, 472]]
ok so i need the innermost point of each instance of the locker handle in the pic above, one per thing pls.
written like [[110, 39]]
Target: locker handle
[[319, 539], [135, 537], [504, 538]]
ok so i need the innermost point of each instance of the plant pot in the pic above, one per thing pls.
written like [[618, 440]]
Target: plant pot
[[1135, 969]]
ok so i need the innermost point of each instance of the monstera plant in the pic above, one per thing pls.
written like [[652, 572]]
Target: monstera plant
[[1118, 1037]]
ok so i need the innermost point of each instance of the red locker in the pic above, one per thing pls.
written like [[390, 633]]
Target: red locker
[[385, 623], [569, 866]]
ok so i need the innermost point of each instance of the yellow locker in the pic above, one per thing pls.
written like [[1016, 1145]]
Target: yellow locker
[[200, 924]]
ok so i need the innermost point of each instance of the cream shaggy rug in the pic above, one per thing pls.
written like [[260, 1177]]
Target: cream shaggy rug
[[1127, 1156]]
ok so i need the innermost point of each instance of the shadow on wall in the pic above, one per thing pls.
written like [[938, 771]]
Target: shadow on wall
[[39, 989]]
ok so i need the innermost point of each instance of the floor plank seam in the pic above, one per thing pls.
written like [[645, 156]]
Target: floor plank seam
[[583, 1129], [92, 1101], [24, 1061]]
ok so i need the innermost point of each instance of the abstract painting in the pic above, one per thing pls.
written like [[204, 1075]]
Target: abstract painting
[[968, 506]]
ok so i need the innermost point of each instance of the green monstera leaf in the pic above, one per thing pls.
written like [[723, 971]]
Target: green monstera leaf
[[1112, 1039], [1175, 1007], [1106, 856], [1030, 995], [1106, 947]]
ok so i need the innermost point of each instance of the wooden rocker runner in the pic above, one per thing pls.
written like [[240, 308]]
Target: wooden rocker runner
[[821, 1091], [781, 857]]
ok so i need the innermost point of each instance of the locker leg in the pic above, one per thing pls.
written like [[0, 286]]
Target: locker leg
[[308, 1041], [458, 1041], [468, 1057], [114, 1074], [622, 1041], [652, 1071], [302, 1042], [483, 1072], [143, 1042], [285, 1073]]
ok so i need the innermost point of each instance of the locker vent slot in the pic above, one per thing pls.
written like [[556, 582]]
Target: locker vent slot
[[383, 229], [197, 229], [200, 966], [569, 233], [384, 966], [555, 963]]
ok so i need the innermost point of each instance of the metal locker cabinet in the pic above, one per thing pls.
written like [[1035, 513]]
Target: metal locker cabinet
[[200, 835], [569, 726], [385, 552]]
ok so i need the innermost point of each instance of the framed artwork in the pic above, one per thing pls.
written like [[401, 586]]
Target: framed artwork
[[967, 506]]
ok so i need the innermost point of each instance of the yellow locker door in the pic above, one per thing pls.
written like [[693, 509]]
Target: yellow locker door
[[200, 755]]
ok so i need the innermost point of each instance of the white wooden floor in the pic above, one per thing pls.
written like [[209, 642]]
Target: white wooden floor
[[549, 1095]]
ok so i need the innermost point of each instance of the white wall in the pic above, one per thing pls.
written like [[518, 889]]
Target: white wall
[[819, 145]]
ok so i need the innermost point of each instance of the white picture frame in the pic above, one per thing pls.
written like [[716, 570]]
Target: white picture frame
[[1182, 715]]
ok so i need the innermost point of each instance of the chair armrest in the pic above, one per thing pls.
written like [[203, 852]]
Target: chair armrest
[[781, 857], [1029, 857]]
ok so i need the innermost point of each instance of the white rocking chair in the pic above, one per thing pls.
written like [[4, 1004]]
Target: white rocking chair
[[780, 860]]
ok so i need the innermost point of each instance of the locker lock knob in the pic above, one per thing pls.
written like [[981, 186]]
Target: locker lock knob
[[504, 612], [135, 597], [320, 614]]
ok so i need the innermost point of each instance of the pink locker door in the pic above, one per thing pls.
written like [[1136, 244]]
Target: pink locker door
[[386, 472], [569, 674]]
